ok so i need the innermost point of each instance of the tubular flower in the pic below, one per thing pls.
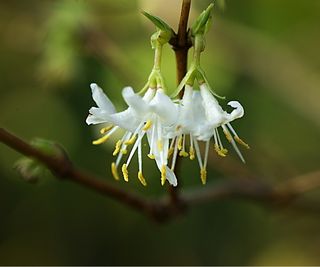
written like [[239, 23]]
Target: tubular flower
[[149, 115], [216, 117]]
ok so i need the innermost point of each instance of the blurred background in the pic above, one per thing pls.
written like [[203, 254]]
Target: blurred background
[[264, 53]]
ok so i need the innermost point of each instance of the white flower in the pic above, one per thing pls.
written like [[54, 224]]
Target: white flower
[[217, 117], [149, 114]]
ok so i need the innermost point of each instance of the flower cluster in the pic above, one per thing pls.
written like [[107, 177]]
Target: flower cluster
[[170, 127], [173, 127]]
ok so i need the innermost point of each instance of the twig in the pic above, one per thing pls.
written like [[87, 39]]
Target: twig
[[65, 170], [180, 45], [162, 209]]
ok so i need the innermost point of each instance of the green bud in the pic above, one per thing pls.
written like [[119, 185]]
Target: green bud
[[159, 23], [29, 169], [202, 23], [164, 32], [49, 147]]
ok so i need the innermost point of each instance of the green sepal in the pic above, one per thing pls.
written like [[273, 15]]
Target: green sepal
[[159, 23], [202, 23], [188, 79], [202, 78]]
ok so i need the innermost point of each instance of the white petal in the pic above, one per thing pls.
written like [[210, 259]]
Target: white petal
[[134, 100], [91, 119], [126, 119], [238, 111], [213, 110], [101, 99], [163, 106]]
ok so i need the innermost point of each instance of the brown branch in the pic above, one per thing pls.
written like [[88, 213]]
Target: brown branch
[[180, 45], [62, 168], [162, 209]]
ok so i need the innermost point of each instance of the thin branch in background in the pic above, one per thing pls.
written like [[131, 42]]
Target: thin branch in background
[[161, 210]]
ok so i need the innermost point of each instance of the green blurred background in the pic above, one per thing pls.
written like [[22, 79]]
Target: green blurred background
[[264, 53]]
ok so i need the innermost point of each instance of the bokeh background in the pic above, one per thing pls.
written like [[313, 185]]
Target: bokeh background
[[264, 53]]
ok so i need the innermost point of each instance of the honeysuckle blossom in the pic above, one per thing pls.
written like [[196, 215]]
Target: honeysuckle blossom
[[149, 114], [217, 117]]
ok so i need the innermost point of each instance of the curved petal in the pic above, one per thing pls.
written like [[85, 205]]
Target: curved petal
[[101, 99], [134, 101], [238, 111]]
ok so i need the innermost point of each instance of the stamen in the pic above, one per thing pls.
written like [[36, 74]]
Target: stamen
[[206, 154], [114, 171], [141, 178], [227, 134], [219, 151], [134, 148], [106, 137], [153, 132], [219, 147], [191, 153], [163, 174], [125, 172], [241, 142], [174, 158], [171, 148], [170, 152], [180, 139], [131, 140], [196, 146], [117, 149], [124, 151], [106, 129], [183, 152], [101, 140], [147, 125], [237, 138], [191, 150], [125, 137], [203, 175]]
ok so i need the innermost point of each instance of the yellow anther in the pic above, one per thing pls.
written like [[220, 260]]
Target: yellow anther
[[147, 125], [160, 145], [224, 151], [203, 175], [131, 140], [241, 142], [114, 171], [170, 152], [141, 178], [191, 153], [163, 174], [151, 156], [101, 140], [183, 153], [106, 129], [219, 151], [125, 172], [180, 143], [124, 151], [117, 149], [228, 136]]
